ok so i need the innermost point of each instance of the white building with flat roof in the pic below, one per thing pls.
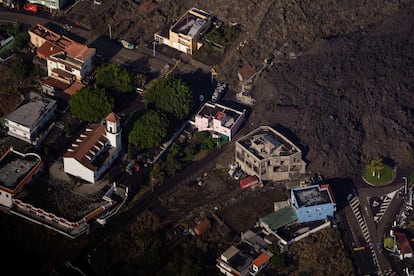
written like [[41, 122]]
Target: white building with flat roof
[[184, 35], [269, 155], [32, 120]]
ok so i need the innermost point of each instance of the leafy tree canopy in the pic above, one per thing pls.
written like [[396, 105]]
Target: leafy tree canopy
[[170, 95], [115, 78], [21, 40], [20, 68], [90, 104], [149, 130]]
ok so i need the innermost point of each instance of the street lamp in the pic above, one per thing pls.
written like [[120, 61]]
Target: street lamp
[[405, 185]]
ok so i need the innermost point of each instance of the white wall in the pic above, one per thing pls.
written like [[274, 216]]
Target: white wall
[[5, 199], [75, 168]]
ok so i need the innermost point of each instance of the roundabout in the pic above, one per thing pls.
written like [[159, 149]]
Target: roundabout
[[382, 177]]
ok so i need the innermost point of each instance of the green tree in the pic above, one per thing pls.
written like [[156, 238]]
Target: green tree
[[170, 95], [140, 79], [21, 40], [20, 68], [115, 78], [90, 104], [389, 243], [278, 260], [157, 175], [149, 130]]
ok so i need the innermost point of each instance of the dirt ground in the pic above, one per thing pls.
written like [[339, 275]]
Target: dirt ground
[[345, 99]]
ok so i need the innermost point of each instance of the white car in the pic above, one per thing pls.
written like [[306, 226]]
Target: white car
[[238, 174], [233, 168]]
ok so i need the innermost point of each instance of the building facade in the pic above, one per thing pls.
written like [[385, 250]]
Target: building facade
[[269, 155], [313, 203], [185, 34], [94, 150], [68, 62], [51, 4], [223, 122], [248, 257], [32, 120]]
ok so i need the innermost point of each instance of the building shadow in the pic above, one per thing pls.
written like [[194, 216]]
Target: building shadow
[[342, 189]]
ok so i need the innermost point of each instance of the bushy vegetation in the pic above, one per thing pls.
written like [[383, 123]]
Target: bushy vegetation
[[180, 155], [149, 130], [91, 105], [224, 34], [321, 253], [20, 67], [115, 78], [170, 95]]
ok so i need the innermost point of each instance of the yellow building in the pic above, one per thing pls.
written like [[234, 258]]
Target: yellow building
[[184, 35]]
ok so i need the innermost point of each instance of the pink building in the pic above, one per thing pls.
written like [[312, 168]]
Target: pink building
[[222, 121]]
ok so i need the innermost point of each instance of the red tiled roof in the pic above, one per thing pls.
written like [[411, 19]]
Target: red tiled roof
[[96, 133], [202, 227], [71, 90], [246, 72], [148, 6], [47, 49], [59, 85], [220, 115], [259, 261], [112, 117], [403, 243], [79, 51]]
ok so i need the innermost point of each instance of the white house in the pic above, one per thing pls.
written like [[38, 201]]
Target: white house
[[32, 120], [185, 34], [94, 150], [75, 60], [221, 120], [5, 38]]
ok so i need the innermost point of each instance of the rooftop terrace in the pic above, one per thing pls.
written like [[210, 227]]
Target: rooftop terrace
[[191, 23], [264, 142], [31, 110], [311, 196], [226, 115], [14, 167]]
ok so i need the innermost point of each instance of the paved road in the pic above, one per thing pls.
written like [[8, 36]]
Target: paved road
[[377, 230], [141, 57]]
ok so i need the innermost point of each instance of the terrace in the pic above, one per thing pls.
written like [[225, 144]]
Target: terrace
[[311, 196]]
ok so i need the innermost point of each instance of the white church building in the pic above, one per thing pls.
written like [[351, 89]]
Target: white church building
[[94, 150]]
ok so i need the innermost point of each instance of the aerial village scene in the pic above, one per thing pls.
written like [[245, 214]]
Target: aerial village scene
[[241, 137]]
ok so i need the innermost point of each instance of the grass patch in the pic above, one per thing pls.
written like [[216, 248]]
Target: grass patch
[[387, 176]]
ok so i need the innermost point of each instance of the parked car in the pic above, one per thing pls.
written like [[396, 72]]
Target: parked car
[[233, 168], [238, 174]]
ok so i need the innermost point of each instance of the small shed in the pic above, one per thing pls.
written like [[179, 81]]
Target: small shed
[[246, 72], [202, 227], [249, 181]]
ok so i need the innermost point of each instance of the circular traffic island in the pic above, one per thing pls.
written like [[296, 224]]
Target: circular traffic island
[[382, 177]]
